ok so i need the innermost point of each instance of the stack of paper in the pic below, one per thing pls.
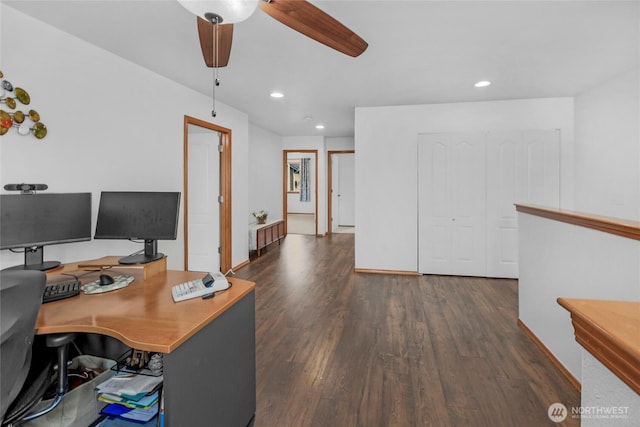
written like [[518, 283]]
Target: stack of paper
[[132, 397]]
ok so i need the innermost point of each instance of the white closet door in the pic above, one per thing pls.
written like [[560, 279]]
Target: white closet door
[[451, 203], [204, 209], [434, 205], [522, 167], [543, 167]]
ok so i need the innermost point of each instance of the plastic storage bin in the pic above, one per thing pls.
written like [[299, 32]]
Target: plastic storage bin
[[80, 406]]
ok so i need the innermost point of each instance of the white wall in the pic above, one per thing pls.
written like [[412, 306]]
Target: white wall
[[314, 143], [607, 153], [386, 165], [265, 173], [604, 391], [112, 126], [339, 143]]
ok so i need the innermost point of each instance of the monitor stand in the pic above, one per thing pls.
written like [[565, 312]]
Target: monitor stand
[[150, 254], [34, 260]]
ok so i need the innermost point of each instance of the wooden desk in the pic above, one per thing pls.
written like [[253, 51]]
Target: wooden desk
[[208, 345]]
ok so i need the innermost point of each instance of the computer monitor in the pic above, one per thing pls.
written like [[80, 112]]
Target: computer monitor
[[138, 215], [28, 222]]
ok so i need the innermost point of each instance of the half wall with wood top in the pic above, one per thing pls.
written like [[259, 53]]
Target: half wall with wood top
[[572, 255]]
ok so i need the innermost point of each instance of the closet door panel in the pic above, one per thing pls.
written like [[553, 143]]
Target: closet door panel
[[543, 161], [468, 195], [522, 167], [434, 205], [506, 185], [451, 204]]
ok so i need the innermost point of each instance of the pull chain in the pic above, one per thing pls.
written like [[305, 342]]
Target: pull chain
[[216, 80]]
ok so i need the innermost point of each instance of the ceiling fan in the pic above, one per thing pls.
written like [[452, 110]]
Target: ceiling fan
[[300, 15]]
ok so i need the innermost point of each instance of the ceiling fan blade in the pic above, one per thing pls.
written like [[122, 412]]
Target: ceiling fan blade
[[225, 37], [307, 19]]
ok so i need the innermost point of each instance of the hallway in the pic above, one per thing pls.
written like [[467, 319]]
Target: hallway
[[339, 348]]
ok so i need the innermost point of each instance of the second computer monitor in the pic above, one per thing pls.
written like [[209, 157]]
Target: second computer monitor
[[138, 215]]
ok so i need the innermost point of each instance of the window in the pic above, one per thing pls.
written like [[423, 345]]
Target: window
[[293, 185]]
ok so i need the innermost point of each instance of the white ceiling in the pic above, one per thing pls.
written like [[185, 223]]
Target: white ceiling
[[420, 52]]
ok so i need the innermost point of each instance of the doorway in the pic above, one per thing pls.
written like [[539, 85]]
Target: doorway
[[341, 197], [300, 191], [207, 196]]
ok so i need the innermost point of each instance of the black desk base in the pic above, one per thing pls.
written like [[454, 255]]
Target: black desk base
[[210, 380]]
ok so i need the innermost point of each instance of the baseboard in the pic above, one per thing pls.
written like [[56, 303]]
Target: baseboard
[[242, 264], [374, 271], [574, 382]]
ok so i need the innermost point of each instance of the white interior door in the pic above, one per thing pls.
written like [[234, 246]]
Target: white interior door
[[203, 206], [346, 190], [451, 204], [522, 167], [335, 180]]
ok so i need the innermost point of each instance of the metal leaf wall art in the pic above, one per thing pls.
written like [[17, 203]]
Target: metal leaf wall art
[[18, 119]]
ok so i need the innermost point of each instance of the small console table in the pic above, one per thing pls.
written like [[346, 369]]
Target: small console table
[[262, 235]]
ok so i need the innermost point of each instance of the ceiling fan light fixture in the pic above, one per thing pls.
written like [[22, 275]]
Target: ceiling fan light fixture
[[231, 11]]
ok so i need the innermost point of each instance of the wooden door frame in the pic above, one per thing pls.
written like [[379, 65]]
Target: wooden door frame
[[330, 184], [285, 189], [225, 191]]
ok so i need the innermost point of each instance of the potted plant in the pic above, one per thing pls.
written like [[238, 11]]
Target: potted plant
[[260, 216]]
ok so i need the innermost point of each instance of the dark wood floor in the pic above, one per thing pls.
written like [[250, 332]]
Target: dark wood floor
[[339, 348]]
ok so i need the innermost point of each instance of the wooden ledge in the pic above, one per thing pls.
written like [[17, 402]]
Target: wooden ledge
[[149, 269], [610, 330], [620, 227]]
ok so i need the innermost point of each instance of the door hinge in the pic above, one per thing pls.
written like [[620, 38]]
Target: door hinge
[[219, 249], [220, 199], [220, 148]]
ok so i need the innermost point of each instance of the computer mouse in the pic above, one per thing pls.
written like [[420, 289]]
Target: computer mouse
[[105, 280]]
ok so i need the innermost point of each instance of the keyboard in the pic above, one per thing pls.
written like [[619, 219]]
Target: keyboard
[[61, 291]]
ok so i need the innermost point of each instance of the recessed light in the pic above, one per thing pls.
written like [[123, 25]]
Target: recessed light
[[277, 94], [319, 126], [483, 83]]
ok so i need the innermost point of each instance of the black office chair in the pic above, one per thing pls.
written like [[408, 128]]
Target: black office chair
[[24, 379]]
